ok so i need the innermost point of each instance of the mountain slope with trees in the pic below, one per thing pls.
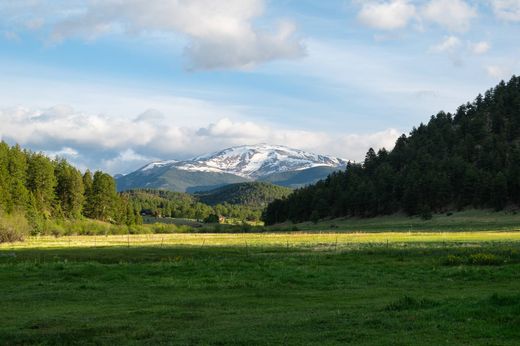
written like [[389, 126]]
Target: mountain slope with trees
[[254, 194], [161, 203], [467, 159]]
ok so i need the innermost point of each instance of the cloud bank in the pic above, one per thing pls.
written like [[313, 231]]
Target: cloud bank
[[452, 15], [120, 145], [220, 34]]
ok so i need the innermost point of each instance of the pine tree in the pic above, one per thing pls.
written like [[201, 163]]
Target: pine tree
[[18, 175], [5, 194], [41, 182], [103, 199], [499, 191], [87, 194], [69, 189]]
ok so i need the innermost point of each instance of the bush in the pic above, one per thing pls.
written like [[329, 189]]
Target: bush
[[13, 228], [410, 303], [485, 259], [452, 260], [474, 259]]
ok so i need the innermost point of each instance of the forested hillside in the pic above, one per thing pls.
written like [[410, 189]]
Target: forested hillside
[[470, 158], [252, 194], [36, 188], [161, 203]]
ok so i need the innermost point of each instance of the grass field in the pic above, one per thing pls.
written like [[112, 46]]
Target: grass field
[[374, 289], [468, 220]]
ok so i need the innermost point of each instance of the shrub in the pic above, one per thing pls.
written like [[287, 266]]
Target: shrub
[[474, 259], [13, 228], [410, 303], [452, 260], [485, 259]]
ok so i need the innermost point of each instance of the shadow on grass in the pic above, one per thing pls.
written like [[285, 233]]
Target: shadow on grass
[[443, 253]]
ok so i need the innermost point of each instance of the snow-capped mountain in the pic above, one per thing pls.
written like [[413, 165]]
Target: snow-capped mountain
[[253, 161], [270, 163]]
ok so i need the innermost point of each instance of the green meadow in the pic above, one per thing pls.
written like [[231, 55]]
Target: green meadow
[[386, 288]]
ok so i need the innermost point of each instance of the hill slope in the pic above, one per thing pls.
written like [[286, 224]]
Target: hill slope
[[254, 194], [470, 158], [173, 179]]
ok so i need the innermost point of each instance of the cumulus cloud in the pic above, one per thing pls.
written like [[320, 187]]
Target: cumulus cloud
[[453, 47], [220, 34], [391, 15], [120, 145], [508, 10], [480, 48], [454, 15], [448, 44], [498, 72]]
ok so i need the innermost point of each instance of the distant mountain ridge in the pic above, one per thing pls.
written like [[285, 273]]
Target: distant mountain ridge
[[279, 165]]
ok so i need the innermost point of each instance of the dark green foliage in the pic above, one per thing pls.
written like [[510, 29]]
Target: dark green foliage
[[69, 189], [103, 198], [212, 218], [41, 189], [296, 179], [467, 159], [41, 181], [254, 194], [161, 203]]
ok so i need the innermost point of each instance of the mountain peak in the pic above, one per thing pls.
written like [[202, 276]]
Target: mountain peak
[[254, 161], [278, 164]]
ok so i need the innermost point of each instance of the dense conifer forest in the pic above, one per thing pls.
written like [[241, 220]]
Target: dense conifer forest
[[161, 203], [467, 159], [35, 189], [256, 195]]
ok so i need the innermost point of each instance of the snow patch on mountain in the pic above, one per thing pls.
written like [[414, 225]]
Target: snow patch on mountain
[[157, 164], [252, 161]]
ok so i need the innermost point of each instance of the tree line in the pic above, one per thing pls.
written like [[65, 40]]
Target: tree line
[[161, 203], [467, 159], [42, 189], [255, 195]]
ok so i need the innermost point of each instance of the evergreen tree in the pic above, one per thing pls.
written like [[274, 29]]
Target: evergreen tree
[[41, 181], [5, 194], [69, 189], [499, 191], [18, 178], [103, 200], [470, 159]]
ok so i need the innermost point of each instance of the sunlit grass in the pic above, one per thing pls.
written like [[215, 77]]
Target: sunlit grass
[[299, 239], [263, 289]]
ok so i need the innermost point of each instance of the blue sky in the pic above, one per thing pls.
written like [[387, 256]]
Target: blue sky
[[113, 85]]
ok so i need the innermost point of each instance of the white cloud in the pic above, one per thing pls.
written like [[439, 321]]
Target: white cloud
[[508, 10], [498, 72], [480, 48], [448, 44], [65, 152], [120, 145], [454, 15], [11, 36], [392, 15], [220, 34]]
